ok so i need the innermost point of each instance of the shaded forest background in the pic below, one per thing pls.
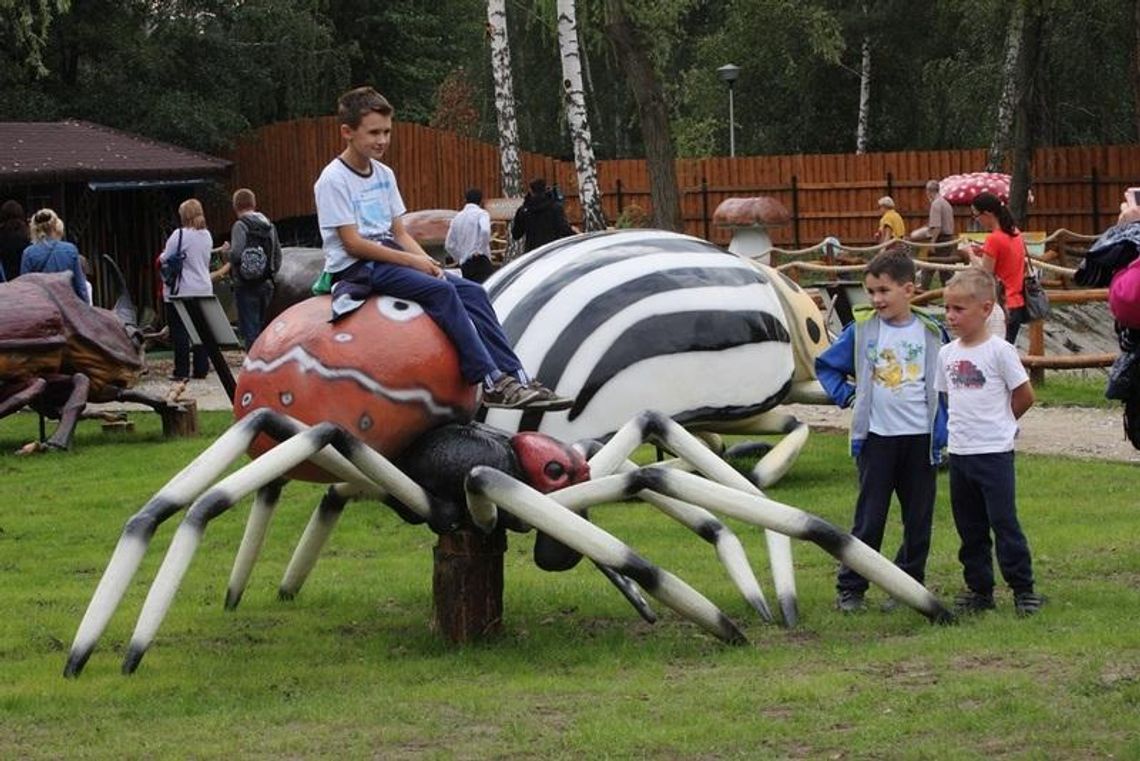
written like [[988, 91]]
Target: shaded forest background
[[199, 73]]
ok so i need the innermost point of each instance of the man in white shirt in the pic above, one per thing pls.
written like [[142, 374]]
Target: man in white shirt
[[468, 239]]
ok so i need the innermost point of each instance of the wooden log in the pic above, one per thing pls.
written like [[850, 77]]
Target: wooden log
[[181, 420], [1067, 361], [467, 584], [1080, 296]]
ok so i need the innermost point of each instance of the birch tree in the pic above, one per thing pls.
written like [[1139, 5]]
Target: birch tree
[[510, 165], [1010, 92], [573, 94], [864, 96]]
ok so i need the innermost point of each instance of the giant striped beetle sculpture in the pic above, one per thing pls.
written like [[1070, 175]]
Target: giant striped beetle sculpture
[[375, 404]]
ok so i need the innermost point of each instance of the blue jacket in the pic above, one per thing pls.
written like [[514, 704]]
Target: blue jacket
[[56, 256], [847, 358]]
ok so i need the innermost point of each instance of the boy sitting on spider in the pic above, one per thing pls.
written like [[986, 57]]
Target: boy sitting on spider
[[368, 250], [898, 426]]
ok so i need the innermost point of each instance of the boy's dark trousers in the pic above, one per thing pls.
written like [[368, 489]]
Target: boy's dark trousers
[[899, 464], [982, 500]]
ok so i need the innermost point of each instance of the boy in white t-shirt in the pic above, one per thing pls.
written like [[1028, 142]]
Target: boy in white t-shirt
[[883, 366], [368, 250], [988, 390]]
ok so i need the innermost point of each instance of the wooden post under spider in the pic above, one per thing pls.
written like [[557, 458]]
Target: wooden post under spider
[[467, 584]]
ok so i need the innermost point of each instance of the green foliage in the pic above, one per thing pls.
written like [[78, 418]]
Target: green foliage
[[349, 669], [200, 72]]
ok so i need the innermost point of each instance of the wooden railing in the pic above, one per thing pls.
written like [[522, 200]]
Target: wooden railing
[[831, 257]]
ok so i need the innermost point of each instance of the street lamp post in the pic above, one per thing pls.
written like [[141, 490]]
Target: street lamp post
[[729, 73]]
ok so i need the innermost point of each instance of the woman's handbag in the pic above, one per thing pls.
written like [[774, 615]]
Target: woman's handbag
[[171, 269], [1036, 302]]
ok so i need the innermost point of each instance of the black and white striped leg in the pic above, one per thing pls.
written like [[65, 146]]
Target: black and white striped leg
[[264, 505], [137, 533], [317, 532], [794, 522], [487, 488], [216, 501], [703, 523], [661, 429], [779, 459]]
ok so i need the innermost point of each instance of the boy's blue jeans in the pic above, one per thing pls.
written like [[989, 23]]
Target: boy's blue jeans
[[982, 498], [252, 304], [899, 465], [461, 308]]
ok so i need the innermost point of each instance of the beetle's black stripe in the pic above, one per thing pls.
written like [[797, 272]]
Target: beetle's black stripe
[[676, 333], [619, 296], [588, 257]]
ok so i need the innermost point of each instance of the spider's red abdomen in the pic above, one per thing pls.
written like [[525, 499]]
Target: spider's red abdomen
[[385, 373]]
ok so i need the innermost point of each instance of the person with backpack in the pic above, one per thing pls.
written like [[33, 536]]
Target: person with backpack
[[254, 258]]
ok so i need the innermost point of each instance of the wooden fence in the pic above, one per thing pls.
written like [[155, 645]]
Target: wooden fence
[[1078, 188]]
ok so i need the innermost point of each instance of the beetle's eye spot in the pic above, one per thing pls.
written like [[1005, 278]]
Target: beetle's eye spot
[[554, 470], [342, 338], [398, 310], [246, 398], [365, 422], [286, 398]]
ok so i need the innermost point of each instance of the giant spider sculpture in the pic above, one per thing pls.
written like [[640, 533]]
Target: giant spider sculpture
[[406, 442]]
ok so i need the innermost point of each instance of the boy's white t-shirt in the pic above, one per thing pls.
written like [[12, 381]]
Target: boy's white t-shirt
[[346, 197], [898, 373], [978, 381]]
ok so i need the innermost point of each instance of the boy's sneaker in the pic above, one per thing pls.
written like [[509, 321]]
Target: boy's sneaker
[[1027, 603], [849, 602], [973, 602], [508, 393], [546, 399]]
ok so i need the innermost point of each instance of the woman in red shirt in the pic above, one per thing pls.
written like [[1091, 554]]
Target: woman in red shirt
[[1003, 254]]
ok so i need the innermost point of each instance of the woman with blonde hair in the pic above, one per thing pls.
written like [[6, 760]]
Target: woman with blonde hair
[[193, 242], [49, 252]]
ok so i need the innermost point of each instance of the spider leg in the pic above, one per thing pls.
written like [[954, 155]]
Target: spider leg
[[383, 480], [792, 521], [487, 488], [214, 502], [317, 532], [661, 429], [137, 533], [703, 523], [263, 506]]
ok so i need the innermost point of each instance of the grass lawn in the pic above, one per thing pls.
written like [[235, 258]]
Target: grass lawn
[[349, 668], [1074, 389]]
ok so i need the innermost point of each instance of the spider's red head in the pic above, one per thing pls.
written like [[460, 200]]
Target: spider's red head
[[548, 464]]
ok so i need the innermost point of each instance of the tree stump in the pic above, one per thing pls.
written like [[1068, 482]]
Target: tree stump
[[467, 584], [180, 420]]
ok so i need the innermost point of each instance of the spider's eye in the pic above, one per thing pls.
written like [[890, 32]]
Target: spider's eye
[[554, 470]]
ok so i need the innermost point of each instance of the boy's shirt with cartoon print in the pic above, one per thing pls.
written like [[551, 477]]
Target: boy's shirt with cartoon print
[[876, 368], [897, 359]]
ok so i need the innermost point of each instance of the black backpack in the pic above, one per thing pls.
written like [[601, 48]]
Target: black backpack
[[260, 259]]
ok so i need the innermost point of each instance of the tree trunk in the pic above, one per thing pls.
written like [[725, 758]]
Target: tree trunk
[[467, 584], [1010, 88], [1134, 71], [510, 165], [1029, 73], [589, 195], [864, 96], [641, 77]]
